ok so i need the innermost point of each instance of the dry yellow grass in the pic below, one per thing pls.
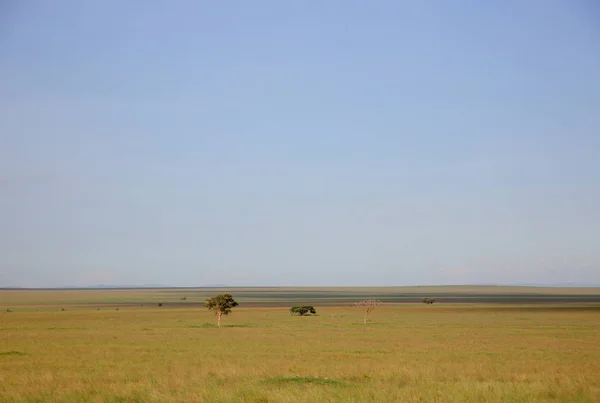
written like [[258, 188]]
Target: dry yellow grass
[[458, 353]]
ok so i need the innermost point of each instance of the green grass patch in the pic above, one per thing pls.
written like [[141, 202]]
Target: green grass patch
[[202, 326], [370, 351], [11, 353], [212, 325], [305, 380]]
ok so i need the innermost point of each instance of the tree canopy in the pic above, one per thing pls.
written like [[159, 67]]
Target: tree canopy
[[221, 304]]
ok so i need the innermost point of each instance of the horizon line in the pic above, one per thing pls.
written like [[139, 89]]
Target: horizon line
[[217, 286]]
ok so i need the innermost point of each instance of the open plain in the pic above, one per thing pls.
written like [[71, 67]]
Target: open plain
[[475, 344]]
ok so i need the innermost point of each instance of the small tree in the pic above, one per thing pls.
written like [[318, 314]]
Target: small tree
[[221, 305], [367, 305], [428, 301], [302, 310]]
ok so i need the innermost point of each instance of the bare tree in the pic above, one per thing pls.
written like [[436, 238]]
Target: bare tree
[[367, 306]]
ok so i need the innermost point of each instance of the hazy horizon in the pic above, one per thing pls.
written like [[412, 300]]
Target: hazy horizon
[[226, 286], [264, 143]]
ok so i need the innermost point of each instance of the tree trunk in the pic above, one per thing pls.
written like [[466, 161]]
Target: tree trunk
[[366, 316], [219, 316]]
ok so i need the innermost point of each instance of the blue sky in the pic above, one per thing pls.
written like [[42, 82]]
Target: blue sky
[[299, 143]]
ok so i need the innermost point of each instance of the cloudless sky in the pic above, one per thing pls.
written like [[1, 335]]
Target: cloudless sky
[[299, 143]]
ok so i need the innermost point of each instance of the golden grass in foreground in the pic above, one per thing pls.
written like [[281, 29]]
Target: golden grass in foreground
[[408, 353]]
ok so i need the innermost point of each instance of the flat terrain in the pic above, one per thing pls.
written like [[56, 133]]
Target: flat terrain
[[286, 296], [120, 346]]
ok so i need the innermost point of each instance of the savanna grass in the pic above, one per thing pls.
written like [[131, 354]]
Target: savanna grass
[[407, 352]]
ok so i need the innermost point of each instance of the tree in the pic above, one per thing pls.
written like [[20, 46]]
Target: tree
[[221, 305], [428, 301], [302, 310], [367, 305]]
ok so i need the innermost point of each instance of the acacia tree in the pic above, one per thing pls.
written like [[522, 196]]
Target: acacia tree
[[221, 305], [367, 305]]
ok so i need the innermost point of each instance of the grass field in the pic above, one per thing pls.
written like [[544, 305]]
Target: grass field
[[119, 346]]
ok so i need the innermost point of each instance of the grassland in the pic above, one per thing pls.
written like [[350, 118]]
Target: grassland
[[119, 346], [286, 296]]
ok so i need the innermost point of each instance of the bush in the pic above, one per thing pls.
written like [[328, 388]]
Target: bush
[[428, 301], [302, 310], [160, 304]]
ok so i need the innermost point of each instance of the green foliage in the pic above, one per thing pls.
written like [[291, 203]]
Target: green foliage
[[12, 353], [428, 301], [302, 310], [160, 304], [221, 305]]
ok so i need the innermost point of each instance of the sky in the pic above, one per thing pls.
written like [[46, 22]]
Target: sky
[[309, 143]]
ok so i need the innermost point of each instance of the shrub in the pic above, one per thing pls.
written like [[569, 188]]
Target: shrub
[[428, 300], [302, 310], [160, 304]]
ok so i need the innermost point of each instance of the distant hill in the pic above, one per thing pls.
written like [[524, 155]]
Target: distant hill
[[116, 286], [568, 285], [111, 286]]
